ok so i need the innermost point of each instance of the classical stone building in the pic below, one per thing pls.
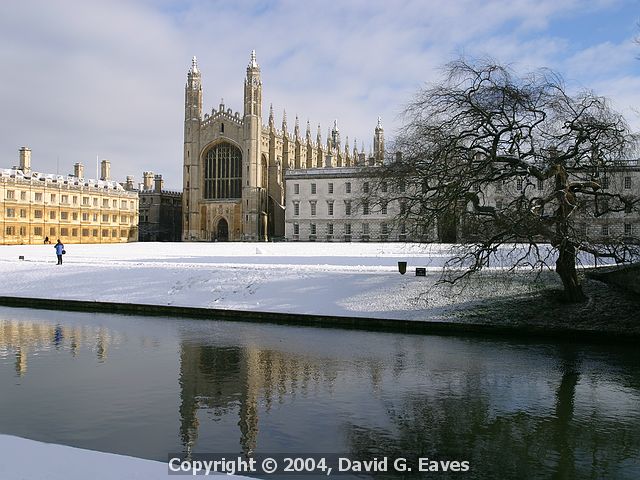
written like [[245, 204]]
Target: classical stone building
[[37, 206], [234, 165], [160, 211]]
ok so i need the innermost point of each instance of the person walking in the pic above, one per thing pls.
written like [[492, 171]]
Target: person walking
[[59, 246]]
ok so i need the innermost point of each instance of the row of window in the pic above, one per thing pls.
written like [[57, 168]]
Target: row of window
[[605, 230], [540, 184], [366, 209], [12, 230], [53, 215], [347, 230], [64, 199], [366, 187]]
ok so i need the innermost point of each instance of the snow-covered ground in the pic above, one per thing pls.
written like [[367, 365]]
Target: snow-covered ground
[[23, 459], [356, 279]]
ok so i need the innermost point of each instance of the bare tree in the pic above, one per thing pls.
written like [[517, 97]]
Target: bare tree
[[493, 158]]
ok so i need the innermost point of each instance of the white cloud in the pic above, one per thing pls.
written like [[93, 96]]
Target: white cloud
[[82, 78]]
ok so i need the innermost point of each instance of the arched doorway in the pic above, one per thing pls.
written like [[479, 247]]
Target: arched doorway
[[222, 231]]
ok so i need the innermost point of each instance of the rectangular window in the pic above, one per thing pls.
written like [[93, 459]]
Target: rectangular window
[[23, 231], [114, 203], [330, 229], [37, 214], [75, 215], [37, 196], [10, 230], [64, 215], [52, 214], [105, 218], [628, 229], [11, 212], [10, 195], [114, 218], [540, 184], [296, 208], [105, 233], [53, 198], [74, 232], [365, 187], [37, 231], [64, 199], [85, 200], [23, 195], [52, 232], [605, 183], [383, 187], [403, 229], [124, 233], [123, 204], [498, 204], [365, 229], [312, 229], [114, 233], [347, 187], [75, 199], [330, 188], [627, 183], [313, 208], [95, 202], [499, 186], [384, 229], [296, 229], [105, 203], [403, 207], [95, 217], [95, 232], [85, 232], [330, 208], [85, 217], [23, 213], [313, 189], [383, 208], [296, 189], [365, 208], [402, 187], [519, 184], [347, 229], [64, 232], [605, 230], [347, 207]]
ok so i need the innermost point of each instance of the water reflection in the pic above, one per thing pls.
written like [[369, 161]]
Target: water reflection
[[146, 387]]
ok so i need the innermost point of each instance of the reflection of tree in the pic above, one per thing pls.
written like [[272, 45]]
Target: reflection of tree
[[465, 426]]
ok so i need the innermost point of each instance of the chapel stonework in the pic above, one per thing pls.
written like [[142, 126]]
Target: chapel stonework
[[234, 165]]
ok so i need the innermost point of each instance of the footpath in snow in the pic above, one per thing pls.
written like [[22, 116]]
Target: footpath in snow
[[358, 279]]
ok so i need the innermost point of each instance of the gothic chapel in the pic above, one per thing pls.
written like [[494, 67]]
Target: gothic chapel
[[234, 166]]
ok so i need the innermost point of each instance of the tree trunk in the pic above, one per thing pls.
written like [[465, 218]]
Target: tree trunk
[[566, 268]]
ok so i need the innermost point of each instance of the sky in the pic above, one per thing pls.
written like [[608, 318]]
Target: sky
[[90, 79]]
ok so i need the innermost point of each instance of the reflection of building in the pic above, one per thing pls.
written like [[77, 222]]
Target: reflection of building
[[37, 206], [234, 165], [225, 378], [160, 211], [22, 338]]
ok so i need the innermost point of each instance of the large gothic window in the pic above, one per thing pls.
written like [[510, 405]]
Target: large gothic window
[[223, 172]]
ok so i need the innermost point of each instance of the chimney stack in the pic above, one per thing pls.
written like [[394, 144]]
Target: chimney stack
[[105, 170], [78, 170], [129, 183], [25, 159]]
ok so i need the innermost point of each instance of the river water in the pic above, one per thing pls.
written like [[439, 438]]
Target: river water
[[147, 387]]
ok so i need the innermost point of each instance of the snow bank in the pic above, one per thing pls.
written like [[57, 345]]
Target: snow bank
[[30, 460]]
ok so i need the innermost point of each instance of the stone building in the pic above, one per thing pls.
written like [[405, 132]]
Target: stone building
[[160, 211], [234, 164], [37, 206]]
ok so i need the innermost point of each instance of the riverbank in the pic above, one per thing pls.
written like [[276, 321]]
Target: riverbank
[[345, 285]]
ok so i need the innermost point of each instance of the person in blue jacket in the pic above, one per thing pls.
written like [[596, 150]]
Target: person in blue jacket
[[59, 246]]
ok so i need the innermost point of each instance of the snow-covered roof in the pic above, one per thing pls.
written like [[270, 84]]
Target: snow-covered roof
[[60, 179]]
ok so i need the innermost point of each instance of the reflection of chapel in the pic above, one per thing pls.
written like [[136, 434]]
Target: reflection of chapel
[[233, 175]]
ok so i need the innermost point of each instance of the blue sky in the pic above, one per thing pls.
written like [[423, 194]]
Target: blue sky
[[86, 78]]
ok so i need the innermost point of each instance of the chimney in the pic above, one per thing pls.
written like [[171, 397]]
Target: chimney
[[25, 159], [129, 183], [78, 170], [159, 183], [147, 180], [105, 170]]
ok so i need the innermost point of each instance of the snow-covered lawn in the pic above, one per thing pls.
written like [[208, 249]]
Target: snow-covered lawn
[[357, 279]]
